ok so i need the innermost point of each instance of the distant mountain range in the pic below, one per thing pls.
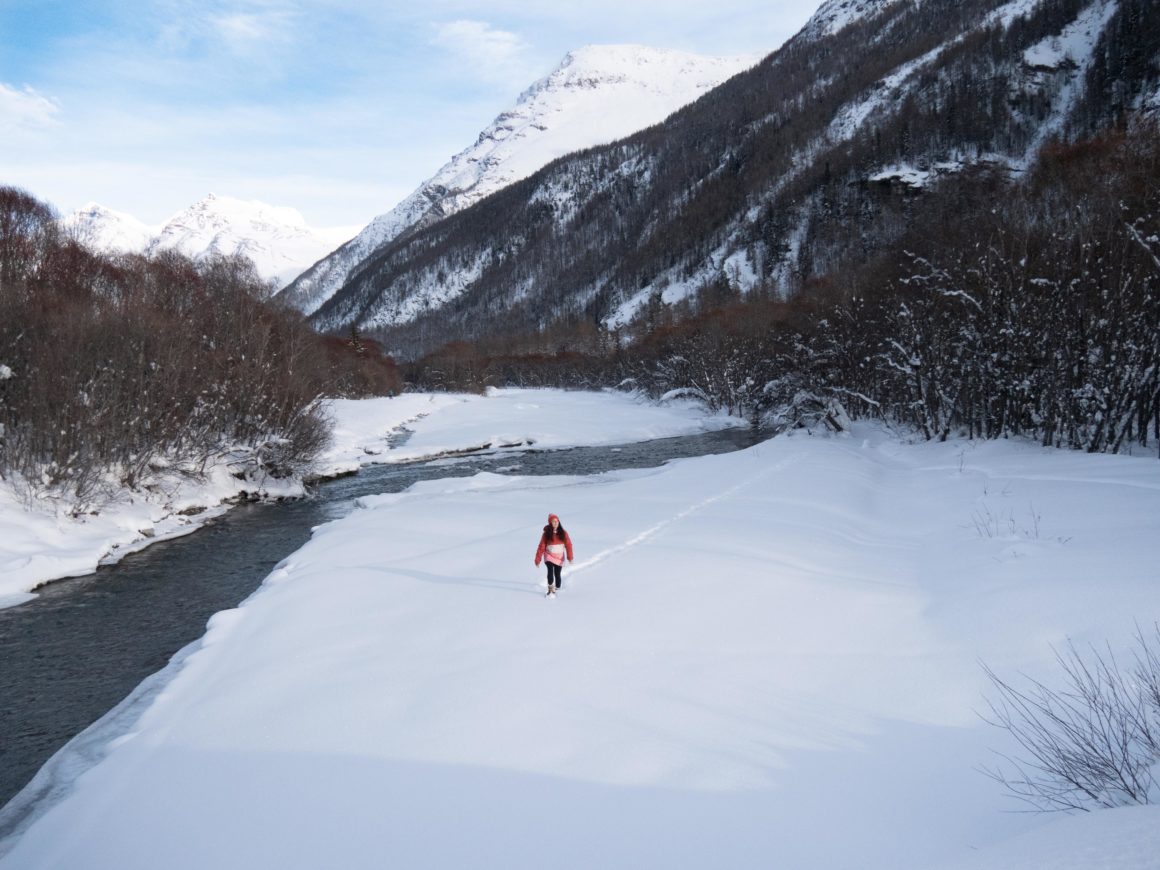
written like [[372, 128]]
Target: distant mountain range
[[596, 95], [276, 239], [818, 155]]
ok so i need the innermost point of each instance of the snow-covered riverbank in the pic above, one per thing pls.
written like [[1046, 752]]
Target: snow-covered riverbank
[[38, 544], [766, 658]]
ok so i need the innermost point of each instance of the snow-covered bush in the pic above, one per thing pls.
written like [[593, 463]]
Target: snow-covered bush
[[791, 404]]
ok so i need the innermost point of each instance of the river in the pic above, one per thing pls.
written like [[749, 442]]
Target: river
[[73, 653]]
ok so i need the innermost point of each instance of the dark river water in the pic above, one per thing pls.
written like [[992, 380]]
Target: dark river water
[[71, 654]]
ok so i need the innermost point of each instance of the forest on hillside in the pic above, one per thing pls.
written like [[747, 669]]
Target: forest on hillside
[[1006, 307]]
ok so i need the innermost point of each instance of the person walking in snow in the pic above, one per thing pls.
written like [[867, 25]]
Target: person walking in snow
[[555, 545]]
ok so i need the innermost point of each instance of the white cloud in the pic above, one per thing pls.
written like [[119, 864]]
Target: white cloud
[[25, 108], [254, 28], [492, 53], [242, 27], [199, 29]]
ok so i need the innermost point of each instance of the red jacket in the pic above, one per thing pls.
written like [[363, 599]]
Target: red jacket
[[548, 538]]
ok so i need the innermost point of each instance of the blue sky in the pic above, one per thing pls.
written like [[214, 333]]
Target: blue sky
[[335, 107]]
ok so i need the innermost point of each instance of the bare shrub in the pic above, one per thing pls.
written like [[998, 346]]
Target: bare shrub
[[1093, 743]]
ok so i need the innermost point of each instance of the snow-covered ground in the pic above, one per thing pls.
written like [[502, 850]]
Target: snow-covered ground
[[770, 658], [38, 544]]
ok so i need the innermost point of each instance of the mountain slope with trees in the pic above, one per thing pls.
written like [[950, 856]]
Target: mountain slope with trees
[[947, 176], [597, 94], [768, 181]]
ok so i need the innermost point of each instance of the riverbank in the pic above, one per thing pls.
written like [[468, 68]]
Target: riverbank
[[769, 657], [39, 544]]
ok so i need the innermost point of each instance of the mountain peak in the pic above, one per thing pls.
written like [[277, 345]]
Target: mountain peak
[[613, 57], [276, 238], [231, 210], [105, 229], [654, 69]]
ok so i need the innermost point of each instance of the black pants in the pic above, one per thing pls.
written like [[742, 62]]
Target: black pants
[[553, 574]]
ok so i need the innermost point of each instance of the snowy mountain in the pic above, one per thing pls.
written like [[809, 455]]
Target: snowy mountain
[[276, 238], [596, 95], [821, 154], [105, 229]]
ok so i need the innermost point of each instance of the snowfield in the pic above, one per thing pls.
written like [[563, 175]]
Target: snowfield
[[769, 658]]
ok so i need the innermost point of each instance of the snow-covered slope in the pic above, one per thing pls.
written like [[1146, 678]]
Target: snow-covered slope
[[276, 238], [598, 94], [833, 15]]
